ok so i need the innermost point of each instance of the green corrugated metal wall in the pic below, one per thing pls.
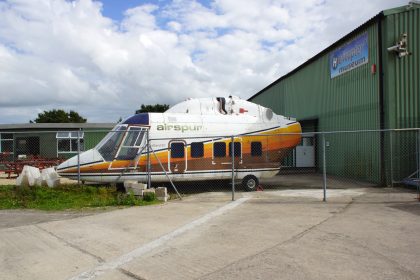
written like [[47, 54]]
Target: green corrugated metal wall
[[93, 137], [351, 101], [402, 74], [402, 90], [347, 102]]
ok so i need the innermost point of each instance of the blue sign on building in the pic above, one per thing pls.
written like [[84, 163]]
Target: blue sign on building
[[349, 56]]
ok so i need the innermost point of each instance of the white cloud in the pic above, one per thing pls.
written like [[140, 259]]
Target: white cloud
[[140, 19], [62, 54]]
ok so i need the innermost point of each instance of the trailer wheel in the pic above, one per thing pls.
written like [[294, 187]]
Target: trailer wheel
[[250, 183]]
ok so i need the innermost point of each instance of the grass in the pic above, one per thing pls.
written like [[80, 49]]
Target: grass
[[66, 197]]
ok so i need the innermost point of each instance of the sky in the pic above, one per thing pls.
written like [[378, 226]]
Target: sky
[[105, 58]]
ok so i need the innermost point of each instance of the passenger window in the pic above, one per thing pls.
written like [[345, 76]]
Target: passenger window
[[219, 149], [256, 149], [236, 148], [177, 150], [197, 149]]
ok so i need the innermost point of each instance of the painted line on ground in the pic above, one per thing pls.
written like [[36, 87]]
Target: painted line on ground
[[124, 259]]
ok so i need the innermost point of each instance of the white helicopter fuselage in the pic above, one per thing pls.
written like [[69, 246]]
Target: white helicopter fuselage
[[190, 142]]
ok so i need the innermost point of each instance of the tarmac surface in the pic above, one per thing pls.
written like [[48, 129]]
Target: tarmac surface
[[359, 233]]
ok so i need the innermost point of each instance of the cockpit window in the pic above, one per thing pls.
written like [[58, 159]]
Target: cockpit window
[[132, 143], [122, 143], [108, 147]]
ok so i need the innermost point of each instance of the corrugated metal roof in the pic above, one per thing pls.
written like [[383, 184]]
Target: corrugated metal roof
[[56, 125]]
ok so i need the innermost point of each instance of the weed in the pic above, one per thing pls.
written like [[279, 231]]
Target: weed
[[149, 196], [66, 197]]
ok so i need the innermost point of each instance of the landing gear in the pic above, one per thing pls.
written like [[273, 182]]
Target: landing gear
[[250, 183]]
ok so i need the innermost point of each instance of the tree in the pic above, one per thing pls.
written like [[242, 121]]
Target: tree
[[59, 116], [157, 108]]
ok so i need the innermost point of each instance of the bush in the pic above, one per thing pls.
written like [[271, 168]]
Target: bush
[[149, 196]]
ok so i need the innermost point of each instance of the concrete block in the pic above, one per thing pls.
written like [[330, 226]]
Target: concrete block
[[139, 186], [128, 183], [161, 191], [52, 183], [149, 191], [163, 198], [42, 182], [28, 176], [136, 192], [134, 187], [162, 194]]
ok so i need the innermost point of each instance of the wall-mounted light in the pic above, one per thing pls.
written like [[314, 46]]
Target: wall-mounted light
[[400, 48]]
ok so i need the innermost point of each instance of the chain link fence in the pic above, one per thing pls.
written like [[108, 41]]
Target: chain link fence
[[321, 160]]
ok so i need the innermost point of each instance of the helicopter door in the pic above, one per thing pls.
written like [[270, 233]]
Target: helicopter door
[[177, 157], [132, 146]]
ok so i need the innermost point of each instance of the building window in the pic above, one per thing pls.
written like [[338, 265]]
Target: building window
[[197, 149], [256, 149], [177, 150], [6, 144], [236, 148], [219, 149], [67, 142]]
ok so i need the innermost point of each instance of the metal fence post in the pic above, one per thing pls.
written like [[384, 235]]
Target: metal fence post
[[392, 158], [78, 156], [418, 163], [232, 153], [149, 178], [324, 167]]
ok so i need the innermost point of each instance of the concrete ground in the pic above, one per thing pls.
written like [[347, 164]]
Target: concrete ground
[[360, 233], [6, 181], [311, 180]]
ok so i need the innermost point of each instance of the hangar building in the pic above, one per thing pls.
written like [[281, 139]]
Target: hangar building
[[367, 80]]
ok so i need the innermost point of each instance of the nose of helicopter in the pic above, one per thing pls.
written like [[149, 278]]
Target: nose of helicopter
[[87, 157]]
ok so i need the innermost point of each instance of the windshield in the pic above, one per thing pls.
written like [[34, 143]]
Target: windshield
[[108, 147], [130, 141]]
